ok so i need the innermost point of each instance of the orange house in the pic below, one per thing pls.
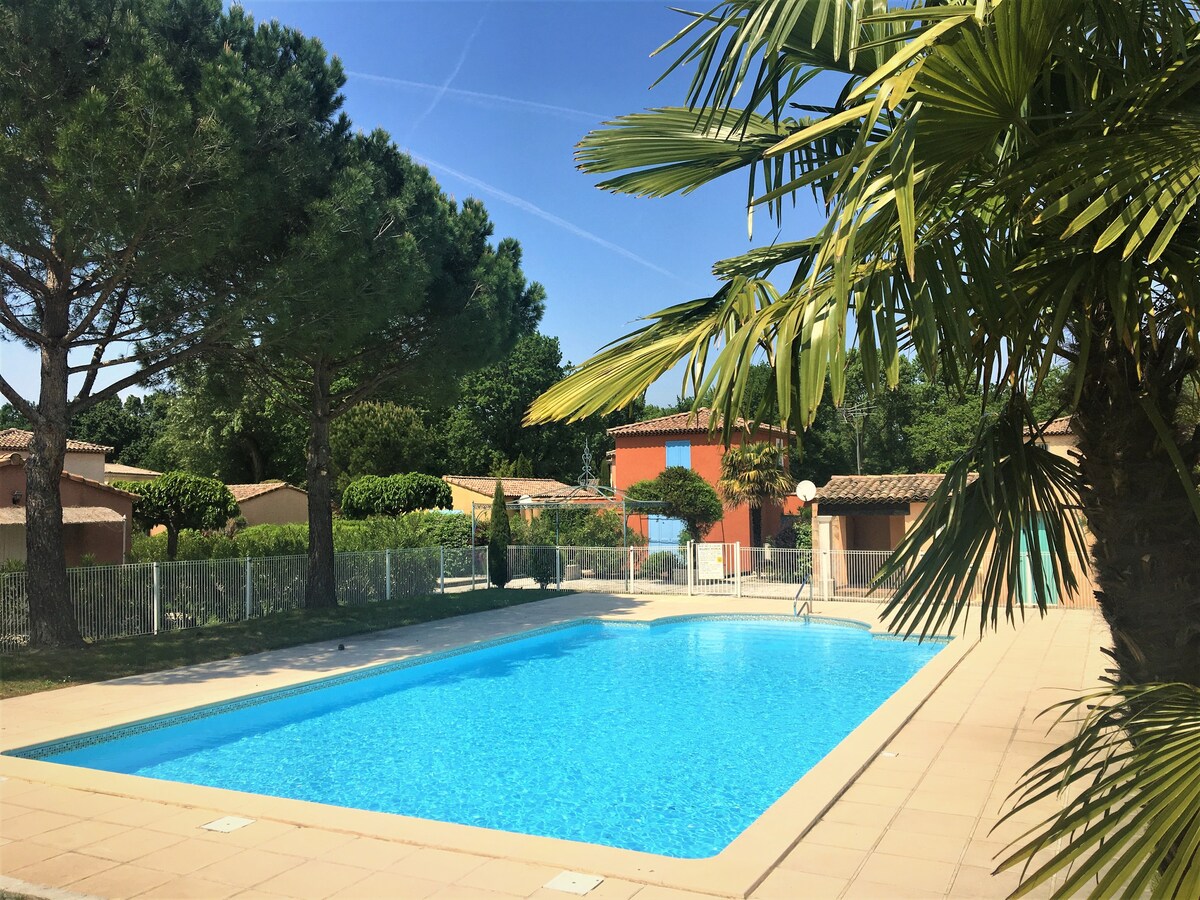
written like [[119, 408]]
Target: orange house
[[644, 449]]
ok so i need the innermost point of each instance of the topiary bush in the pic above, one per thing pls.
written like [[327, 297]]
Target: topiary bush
[[394, 495]]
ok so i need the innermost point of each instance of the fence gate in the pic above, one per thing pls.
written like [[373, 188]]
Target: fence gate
[[714, 569]]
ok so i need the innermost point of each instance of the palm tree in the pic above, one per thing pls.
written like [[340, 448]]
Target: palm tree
[[1010, 185], [753, 474]]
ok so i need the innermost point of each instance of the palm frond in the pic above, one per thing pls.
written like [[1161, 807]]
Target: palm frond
[[979, 533], [1130, 826]]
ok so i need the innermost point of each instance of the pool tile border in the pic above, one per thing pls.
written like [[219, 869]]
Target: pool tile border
[[736, 871]]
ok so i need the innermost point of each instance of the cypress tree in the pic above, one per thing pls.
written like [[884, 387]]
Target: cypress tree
[[498, 537]]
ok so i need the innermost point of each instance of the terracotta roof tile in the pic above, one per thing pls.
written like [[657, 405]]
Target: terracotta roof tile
[[872, 489], [536, 488], [680, 423], [1059, 426], [18, 439], [243, 492], [118, 469]]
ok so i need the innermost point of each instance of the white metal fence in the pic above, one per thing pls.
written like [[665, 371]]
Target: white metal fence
[[149, 598]]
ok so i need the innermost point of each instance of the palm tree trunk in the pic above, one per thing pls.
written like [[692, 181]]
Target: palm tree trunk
[[1147, 538]]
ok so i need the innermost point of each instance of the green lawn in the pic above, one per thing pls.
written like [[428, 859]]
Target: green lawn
[[30, 671]]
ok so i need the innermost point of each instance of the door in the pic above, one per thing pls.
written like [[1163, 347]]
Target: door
[[1044, 555]]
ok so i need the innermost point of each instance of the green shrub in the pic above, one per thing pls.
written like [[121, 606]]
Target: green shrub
[[660, 564], [394, 495], [419, 529], [543, 566]]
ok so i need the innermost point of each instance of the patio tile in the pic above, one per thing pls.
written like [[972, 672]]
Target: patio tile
[[138, 813], [31, 824], [867, 890], [905, 872], [874, 795], [131, 844], [121, 881], [978, 881], [438, 865], [936, 823], [314, 879], [62, 869], [508, 877], [80, 804], [850, 813], [459, 892], [247, 868], [838, 834], [186, 856], [922, 846], [388, 884], [80, 834], [18, 854], [306, 842], [189, 888], [370, 853], [816, 859], [787, 884], [656, 892]]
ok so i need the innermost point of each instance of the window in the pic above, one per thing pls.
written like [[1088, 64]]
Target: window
[[679, 453]]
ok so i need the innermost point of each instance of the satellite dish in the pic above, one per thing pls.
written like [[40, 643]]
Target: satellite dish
[[806, 491]]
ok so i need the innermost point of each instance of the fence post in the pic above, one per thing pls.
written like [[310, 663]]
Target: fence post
[[442, 568], [737, 569], [387, 575], [249, 589], [474, 553], [557, 569], [691, 558], [157, 598], [629, 573]]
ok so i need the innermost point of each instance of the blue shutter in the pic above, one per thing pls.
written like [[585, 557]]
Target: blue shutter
[[679, 453]]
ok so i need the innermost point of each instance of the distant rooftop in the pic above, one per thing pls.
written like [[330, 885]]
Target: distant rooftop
[[19, 439], [873, 489], [680, 423], [515, 488], [120, 469], [244, 492]]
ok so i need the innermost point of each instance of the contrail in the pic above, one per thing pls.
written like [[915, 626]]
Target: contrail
[[462, 58], [528, 207], [485, 99]]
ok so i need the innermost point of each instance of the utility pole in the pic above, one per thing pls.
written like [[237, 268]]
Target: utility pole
[[854, 417]]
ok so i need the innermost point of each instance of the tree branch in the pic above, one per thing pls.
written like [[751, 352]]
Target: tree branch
[[23, 406]]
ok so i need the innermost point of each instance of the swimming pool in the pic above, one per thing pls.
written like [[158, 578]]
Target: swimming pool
[[669, 737]]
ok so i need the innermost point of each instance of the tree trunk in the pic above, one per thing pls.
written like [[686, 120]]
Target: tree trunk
[[756, 526], [51, 616], [172, 542], [1147, 539], [320, 589]]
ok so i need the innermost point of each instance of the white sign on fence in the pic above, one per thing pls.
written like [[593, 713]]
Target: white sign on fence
[[710, 562]]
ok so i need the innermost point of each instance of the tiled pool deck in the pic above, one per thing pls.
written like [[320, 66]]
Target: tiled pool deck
[[915, 823]]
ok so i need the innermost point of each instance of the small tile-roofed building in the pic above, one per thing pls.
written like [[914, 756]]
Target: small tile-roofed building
[[96, 516], [468, 489], [270, 502], [83, 457]]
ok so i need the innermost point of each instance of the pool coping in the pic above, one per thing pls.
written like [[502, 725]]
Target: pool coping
[[735, 871]]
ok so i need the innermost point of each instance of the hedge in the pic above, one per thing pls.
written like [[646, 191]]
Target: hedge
[[419, 529]]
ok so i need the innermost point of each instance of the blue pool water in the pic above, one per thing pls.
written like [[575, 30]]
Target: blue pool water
[[670, 738]]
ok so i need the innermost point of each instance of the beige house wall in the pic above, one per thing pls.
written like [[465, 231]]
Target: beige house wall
[[281, 506], [12, 542], [89, 465], [461, 499]]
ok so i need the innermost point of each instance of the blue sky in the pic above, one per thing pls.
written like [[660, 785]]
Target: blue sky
[[492, 97]]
